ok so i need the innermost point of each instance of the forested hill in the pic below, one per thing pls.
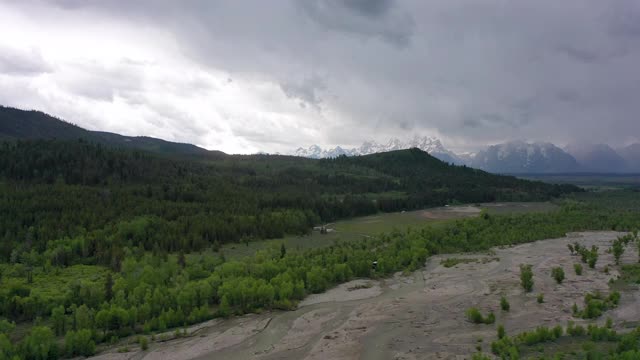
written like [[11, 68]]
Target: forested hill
[[21, 124], [114, 198]]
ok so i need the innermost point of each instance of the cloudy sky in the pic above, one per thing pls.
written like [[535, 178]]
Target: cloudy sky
[[246, 76]]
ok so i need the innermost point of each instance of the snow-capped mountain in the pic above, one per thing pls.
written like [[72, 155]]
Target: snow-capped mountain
[[522, 157], [429, 144], [316, 152], [511, 157]]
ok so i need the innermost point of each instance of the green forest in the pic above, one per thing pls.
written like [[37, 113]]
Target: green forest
[[100, 243]]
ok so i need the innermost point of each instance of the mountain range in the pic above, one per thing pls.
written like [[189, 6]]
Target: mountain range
[[429, 144], [516, 157]]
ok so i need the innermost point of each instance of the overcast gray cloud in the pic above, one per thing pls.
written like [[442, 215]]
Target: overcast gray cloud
[[22, 62], [243, 76]]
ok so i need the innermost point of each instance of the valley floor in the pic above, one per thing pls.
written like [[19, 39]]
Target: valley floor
[[421, 316]]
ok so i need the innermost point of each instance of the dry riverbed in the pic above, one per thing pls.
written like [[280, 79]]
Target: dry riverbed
[[420, 316]]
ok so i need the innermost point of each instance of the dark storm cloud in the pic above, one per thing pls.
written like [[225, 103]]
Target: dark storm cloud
[[473, 71], [373, 8], [364, 18]]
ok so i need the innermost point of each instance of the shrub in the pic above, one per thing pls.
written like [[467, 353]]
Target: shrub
[[540, 298], [539, 335], [505, 348], [617, 249], [578, 269], [596, 304], [589, 257], [575, 330], [577, 247], [558, 274], [557, 331], [144, 343], [501, 331], [601, 333], [593, 257], [490, 319], [526, 277], [504, 304], [593, 309], [474, 315]]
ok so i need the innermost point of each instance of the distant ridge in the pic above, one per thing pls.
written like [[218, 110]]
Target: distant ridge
[[521, 157], [631, 155], [16, 124], [598, 158]]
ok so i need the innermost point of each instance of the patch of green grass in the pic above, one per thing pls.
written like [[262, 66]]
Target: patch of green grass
[[376, 224], [519, 207], [630, 274], [474, 316], [314, 240], [344, 230], [56, 282], [373, 225]]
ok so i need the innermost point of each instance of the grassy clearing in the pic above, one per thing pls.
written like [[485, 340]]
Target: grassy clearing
[[376, 224], [55, 283], [314, 240], [366, 226], [519, 207]]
